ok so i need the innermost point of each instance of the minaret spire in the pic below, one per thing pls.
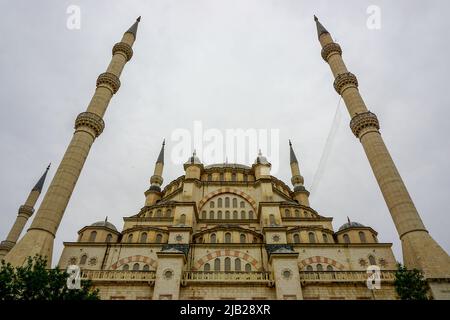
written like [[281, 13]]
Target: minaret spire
[[420, 250], [25, 212], [134, 27], [153, 194], [161, 153], [320, 28], [300, 193], [40, 184], [292, 157], [88, 126]]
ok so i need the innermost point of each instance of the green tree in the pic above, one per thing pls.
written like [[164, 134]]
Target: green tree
[[33, 281], [410, 284]]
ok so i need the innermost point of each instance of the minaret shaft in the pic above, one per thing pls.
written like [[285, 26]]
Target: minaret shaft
[[88, 126], [419, 249]]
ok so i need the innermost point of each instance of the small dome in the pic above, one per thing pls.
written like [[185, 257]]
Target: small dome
[[261, 159], [105, 223], [193, 159], [351, 224]]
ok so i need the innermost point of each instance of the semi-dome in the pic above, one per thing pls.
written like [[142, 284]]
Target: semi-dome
[[105, 224], [351, 224]]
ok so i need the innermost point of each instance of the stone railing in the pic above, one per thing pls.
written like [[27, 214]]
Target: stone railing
[[343, 276], [224, 276], [118, 275]]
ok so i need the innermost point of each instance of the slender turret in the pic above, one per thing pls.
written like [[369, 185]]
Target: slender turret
[[153, 194], [88, 126], [25, 212], [300, 193], [420, 250]]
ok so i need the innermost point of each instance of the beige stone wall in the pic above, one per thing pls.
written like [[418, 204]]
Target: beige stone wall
[[224, 291]]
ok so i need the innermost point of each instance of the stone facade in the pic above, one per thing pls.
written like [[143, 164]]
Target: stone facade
[[223, 233]]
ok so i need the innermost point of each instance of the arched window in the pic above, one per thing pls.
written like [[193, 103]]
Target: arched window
[[312, 237], [362, 237], [213, 238], [168, 213], [372, 260], [221, 177], [235, 215], [329, 268], [250, 214], [211, 204], [227, 202], [159, 213], [203, 214], [245, 178], [219, 215], [130, 238], [237, 264], [83, 259], [272, 219], [248, 267], [136, 267], [227, 237], [227, 264], [209, 177], [211, 214], [309, 268], [242, 215], [296, 238], [159, 238], [319, 267], [234, 203], [346, 238], [297, 213], [287, 213], [325, 238], [219, 203], [242, 204], [125, 267], [144, 237], [92, 236], [227, 215], [233, 177], [109, 237], [146, 267], [243, 238], [183, 219], [217, 264], [206, 267]]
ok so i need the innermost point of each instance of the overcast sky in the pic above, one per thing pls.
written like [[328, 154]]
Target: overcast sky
[[230, 64]]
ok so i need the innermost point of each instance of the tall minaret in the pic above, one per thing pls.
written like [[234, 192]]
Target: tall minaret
[[25, 212], [300, 193], [420, 250], [88, 126], [153, 194]]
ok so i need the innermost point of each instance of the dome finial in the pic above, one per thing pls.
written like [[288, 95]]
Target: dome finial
[[348, 219]]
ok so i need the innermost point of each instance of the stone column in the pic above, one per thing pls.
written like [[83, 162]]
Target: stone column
[[88, 126]]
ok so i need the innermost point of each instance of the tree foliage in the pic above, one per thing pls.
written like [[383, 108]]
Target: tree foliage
[[34, 281], [410, 284]]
